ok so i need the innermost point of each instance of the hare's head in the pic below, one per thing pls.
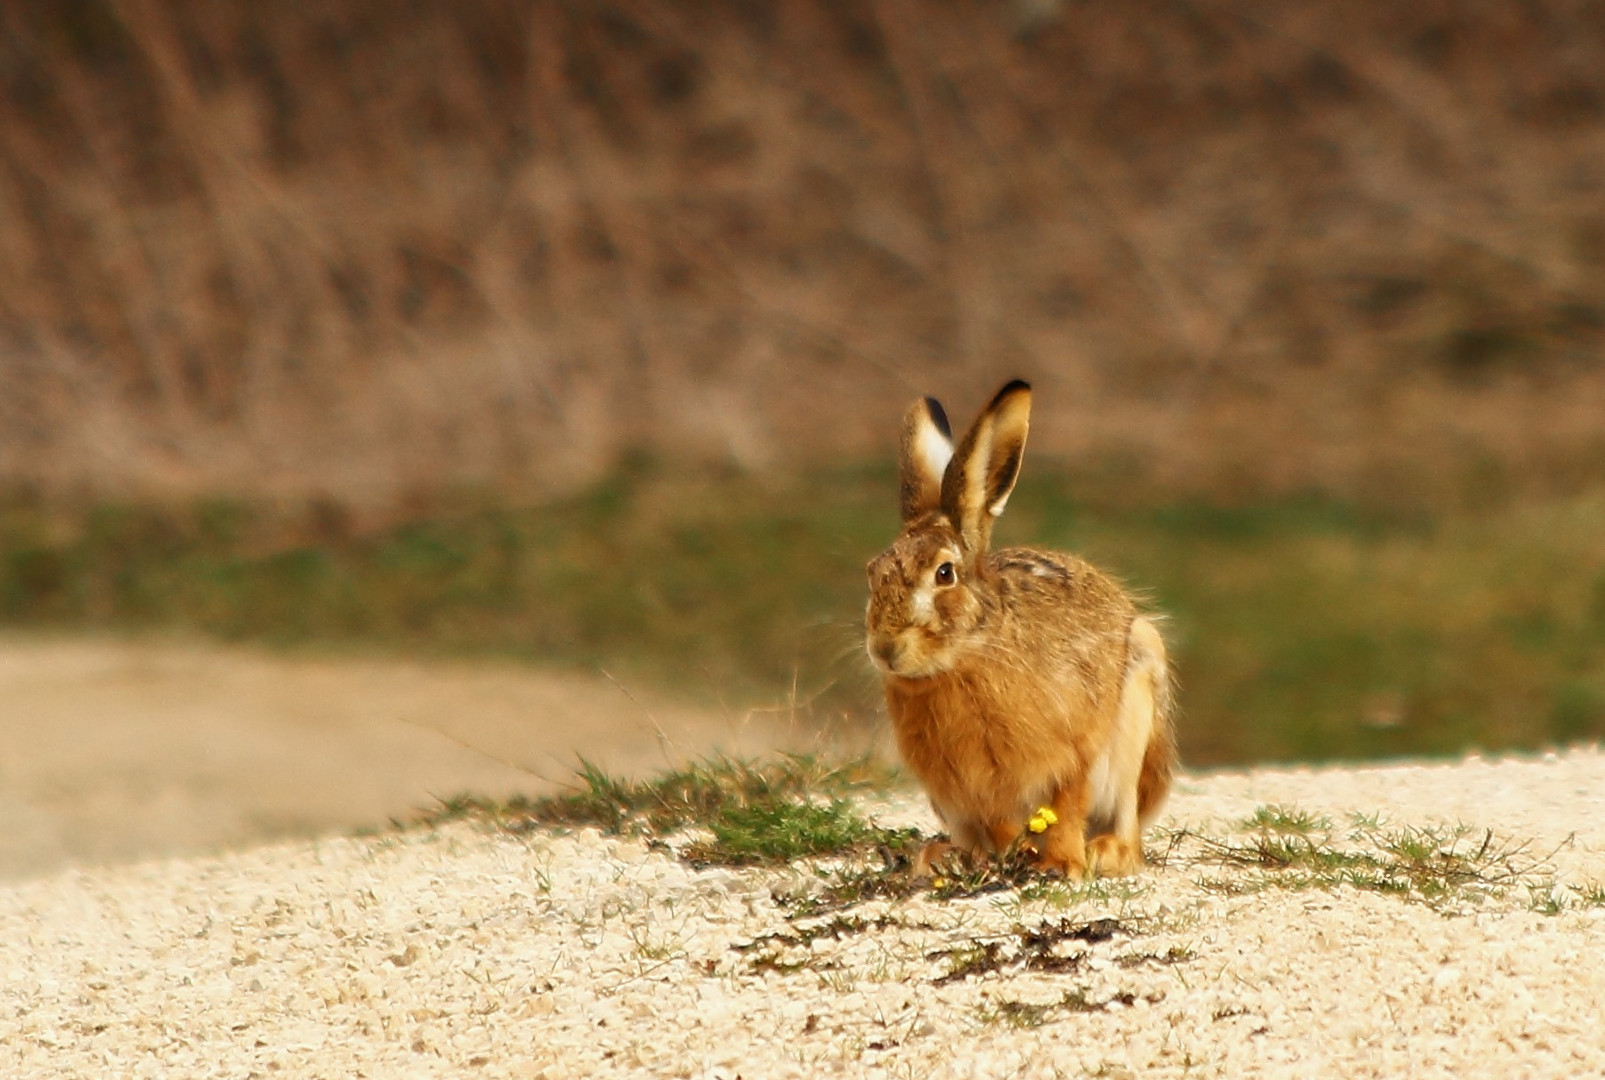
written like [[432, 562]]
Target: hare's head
[[929, 592]]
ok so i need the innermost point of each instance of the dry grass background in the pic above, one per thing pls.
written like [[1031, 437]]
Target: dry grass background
[[359, 250]]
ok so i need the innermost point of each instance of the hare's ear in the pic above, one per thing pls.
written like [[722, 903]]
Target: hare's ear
[[986, 465], [926, 449]]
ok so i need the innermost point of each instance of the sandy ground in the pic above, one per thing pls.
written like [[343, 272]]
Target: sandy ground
[[462, 951], [117, 750], [459, 950]]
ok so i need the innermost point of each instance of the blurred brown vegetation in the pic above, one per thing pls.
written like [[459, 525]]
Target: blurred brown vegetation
[[361, 249]]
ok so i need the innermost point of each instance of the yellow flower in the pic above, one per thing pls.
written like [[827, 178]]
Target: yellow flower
[[1042, 819]]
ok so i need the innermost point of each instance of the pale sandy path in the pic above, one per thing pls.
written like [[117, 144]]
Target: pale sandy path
[[460, 951], [464, 952], [113, 750]]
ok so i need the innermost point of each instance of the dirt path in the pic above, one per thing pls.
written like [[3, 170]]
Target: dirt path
[[115, 750], [460, 950], [463, 951]]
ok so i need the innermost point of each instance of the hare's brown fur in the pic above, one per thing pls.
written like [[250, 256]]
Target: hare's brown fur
[[1015, 678]]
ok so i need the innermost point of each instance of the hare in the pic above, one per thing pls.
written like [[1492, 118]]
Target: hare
[[1016, 679]]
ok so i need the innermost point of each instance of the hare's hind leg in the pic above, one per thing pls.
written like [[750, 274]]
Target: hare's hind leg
[[1159, 759], [1125, 794]]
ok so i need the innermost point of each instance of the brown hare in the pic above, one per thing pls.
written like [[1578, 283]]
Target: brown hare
[[1016, 679]]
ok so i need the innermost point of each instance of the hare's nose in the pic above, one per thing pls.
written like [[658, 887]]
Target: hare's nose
[[883, 649]]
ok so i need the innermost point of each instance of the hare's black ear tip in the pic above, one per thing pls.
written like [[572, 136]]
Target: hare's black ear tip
[[1010, 388], [939, 417]]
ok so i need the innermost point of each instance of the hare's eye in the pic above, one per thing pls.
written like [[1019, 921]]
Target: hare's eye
[[944, 574]]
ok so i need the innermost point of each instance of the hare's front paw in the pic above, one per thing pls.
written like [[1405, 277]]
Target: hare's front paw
[[930, 856], [1113, 856]]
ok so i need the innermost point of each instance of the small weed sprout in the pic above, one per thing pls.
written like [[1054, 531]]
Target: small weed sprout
[[1017, 1014], [1590, 894], [1447, 867], [1287, 821]]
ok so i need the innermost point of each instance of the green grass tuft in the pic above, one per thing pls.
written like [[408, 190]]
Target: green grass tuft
[[1447, 868], [1290, 821], [784, 831], [756, 812]]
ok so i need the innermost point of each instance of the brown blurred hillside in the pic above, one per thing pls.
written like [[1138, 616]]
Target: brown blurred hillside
[[359, 249]]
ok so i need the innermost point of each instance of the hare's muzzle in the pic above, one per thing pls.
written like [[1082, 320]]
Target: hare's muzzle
[[883, 650]]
